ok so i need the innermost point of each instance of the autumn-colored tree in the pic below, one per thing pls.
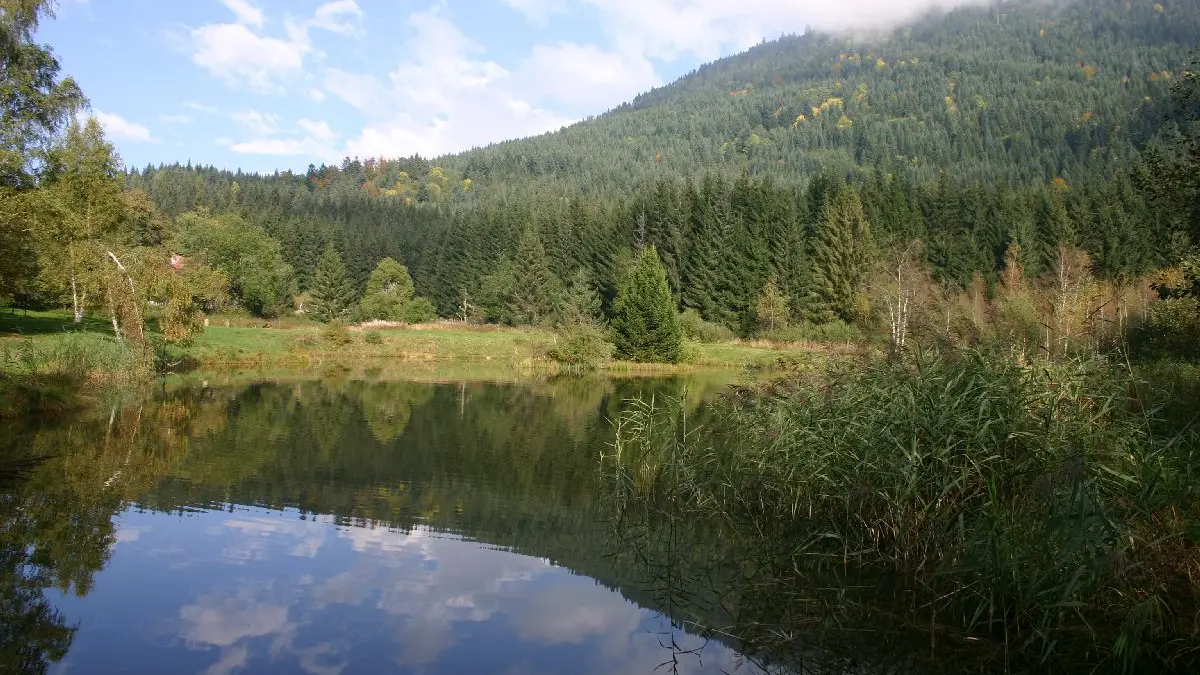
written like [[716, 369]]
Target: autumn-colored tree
[[772, 306]]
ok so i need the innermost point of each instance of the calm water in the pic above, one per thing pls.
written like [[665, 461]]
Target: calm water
[[338, 526]]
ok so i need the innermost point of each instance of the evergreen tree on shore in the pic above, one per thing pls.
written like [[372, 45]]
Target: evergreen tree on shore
[[332, 293], [645, 322]]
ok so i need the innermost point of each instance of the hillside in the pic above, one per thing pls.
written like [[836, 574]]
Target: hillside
[[1018, 92], [1022, 122]]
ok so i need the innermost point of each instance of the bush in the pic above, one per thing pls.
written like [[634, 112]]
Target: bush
[[691, 351], [582, 346], [833, 331], [1171, 327], [335, 334], [373, 337], [420, 310], [695, 327]]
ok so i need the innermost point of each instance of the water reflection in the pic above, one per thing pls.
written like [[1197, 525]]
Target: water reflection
[[261, 591], [329, 527]]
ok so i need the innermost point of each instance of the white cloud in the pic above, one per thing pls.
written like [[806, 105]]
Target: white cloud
[[306, 147], [237, 55], [118, 128], [359, 91], [340, 16], [464, 99], [245, 12], [318, 130], [538, 11], [200, 107], [263, 124], [708, 29], [586, 76]]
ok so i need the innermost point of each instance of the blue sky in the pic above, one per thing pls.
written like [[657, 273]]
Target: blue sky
[[278, 84]]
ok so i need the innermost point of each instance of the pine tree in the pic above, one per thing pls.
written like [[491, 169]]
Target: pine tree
[[645, 322], [332, 293], [842, 253]]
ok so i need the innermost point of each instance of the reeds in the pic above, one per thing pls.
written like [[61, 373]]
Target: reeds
[[1049, 510], [52, 375]]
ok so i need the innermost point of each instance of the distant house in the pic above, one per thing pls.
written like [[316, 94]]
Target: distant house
[[177, 262]]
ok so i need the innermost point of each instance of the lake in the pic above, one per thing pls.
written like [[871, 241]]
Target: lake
[[347, 525]]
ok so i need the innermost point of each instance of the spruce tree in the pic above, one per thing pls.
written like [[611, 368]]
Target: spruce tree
[[842, 254], [645, 324], [332, 293], [536, 291], [581, 302]]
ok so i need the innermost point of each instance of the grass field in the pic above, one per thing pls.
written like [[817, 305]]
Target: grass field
[[291, 344]]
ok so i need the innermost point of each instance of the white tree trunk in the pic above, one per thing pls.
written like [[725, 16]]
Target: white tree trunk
[[112, 308], [76, 305], [133, 302]]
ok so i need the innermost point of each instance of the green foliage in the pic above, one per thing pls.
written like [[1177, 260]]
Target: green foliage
[[842, 251], [694, 327], [580, 302], [772, 307], [536, 291], [989, 495], [389, 296], [336, 334], [581, 345], [373, 337], [35, 103], [690, 350], [645, 323], [332, 294], [420, 310], [495, 290], [50, 376], [1171, 327], [259, 279]]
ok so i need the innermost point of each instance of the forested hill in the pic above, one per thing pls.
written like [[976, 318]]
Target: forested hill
[[1020, 122], [1017, 91]]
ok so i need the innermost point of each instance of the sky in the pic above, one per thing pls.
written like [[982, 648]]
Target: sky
[[265, 85]]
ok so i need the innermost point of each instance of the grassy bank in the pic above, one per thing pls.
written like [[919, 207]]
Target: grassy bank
[[1001, 518], [60, 372], [303, 344], [51, 363]]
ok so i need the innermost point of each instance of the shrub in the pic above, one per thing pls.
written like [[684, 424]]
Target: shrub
[[335, 334], [583, 346], [1171, 327], [690, 351], [420, 310], [373, 337], [695, 327], [833, 331]]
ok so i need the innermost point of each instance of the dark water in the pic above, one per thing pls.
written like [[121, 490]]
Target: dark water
[[337, 526]]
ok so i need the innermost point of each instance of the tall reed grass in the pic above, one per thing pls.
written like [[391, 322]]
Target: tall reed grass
[[54, 374], [1046, 514]]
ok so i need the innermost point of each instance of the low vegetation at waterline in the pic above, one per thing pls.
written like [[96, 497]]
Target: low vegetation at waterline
[[1011, 517], [51, 375]]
